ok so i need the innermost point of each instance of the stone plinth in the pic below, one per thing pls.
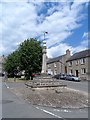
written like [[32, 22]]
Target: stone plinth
[[44, 81]]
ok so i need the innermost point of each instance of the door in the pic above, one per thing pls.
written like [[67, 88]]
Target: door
[[65, 70], [76, 73]]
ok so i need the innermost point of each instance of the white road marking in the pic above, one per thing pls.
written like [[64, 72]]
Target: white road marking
[[61, 110], [7, 86], [48, 112], [66, 111]]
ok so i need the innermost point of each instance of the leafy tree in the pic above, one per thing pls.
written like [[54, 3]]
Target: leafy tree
[[12, 63], [30, 57], [27, 57]]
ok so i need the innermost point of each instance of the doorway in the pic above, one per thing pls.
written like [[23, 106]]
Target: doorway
[[76, 73], [65, 70]]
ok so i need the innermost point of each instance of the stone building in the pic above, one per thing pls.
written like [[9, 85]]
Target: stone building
[[78, 64], [1, 64], [58, 64]]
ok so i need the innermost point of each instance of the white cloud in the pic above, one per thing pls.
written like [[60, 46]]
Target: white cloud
[[21, 21], [85, 35], [62, 47], [14, 0], [58, 50]]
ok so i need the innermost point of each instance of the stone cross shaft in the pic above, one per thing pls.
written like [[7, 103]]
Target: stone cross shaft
[[44, 58]]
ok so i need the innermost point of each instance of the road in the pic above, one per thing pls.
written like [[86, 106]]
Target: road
[[14, 107], [82, 85]]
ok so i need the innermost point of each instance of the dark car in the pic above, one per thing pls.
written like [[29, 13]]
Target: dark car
[[1, 74], [72, 78], [56, 76], [59, 76]]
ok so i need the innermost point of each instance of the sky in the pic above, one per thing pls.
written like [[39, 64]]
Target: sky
[[66, 23]]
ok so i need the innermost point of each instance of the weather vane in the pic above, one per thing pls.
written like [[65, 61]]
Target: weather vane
[[45, 34]]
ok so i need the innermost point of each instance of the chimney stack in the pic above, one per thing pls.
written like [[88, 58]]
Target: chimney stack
[[68, 53]]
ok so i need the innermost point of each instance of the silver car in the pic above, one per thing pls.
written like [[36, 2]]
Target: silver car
[[72, 77]]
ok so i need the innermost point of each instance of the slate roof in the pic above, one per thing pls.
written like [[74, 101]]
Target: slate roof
[[56, 59], [78, 55]]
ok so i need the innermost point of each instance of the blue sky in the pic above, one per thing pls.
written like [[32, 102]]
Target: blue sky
[[66, 24]]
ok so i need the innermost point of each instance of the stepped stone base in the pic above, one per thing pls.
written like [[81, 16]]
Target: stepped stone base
[[44, 81]]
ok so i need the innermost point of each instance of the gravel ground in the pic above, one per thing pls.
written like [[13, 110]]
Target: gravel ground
[[62, 97]]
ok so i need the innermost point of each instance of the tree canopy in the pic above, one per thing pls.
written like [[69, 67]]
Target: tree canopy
[[11, 63], [27, 57]]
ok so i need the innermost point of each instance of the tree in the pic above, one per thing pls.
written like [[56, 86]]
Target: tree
[[11, 63], [30, 57], [27, 57]]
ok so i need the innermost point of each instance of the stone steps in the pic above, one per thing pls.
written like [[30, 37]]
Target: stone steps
[[44, 83]]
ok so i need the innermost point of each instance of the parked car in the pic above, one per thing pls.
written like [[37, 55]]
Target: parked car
[[56, 76], [35, 74], [60, 76], [72, 77], [1, 74]]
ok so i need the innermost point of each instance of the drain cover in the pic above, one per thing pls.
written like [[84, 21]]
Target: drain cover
[[6, 101]]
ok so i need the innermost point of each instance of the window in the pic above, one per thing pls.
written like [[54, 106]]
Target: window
[[83, 71], [70, 63], [48, 66], [76, 61], [71, 71], [82, 61], [55, 72], [49, 71], [55, 65]]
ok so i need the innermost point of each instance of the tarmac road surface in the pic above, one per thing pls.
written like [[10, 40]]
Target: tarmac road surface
[[82, 85]]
